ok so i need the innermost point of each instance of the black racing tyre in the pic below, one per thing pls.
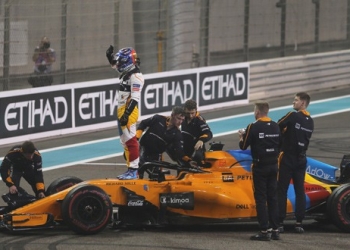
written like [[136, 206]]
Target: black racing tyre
[[338, 207], [62, 183], [87, 209]]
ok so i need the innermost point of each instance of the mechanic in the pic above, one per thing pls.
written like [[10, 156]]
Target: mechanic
[[297, 127], [195, 132], [126, 62], [263, 137], [23, 161], [162, 135]]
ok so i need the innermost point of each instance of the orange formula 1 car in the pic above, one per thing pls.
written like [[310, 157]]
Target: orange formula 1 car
[[219, 193]]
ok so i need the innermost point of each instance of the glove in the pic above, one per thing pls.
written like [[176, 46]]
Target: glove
[[109, 54], [193, 164], [123, 120], [41, 195], [128, 110], [13, 190], [198, 145]]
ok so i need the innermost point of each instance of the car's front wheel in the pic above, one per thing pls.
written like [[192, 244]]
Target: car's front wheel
[[87, 209], [62, 183], [339, 207]]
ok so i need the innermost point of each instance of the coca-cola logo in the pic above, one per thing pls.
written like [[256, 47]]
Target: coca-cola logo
[[137, 203]]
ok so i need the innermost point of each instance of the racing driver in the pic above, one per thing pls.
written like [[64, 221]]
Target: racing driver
[[126, 62]]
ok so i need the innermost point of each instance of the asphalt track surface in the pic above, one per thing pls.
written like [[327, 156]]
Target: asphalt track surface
[[330, 141]]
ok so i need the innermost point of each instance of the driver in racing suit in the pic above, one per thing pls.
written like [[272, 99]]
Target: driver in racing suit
[[126, 62]]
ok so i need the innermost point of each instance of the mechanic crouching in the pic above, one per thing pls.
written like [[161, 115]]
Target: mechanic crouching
[[263, 137], [162, 134], [22, 161]]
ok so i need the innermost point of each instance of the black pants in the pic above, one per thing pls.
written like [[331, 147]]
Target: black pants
[[145, 156], [27, 175], [265, 194], [292, 167]]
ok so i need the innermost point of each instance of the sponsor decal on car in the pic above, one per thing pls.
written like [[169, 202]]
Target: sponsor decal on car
[[244, 177], [135, 203], [177, 200], [227, 177]]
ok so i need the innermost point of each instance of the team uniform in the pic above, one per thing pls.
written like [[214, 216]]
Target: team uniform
[[193, 131], [126, 62], [159, 139], [297, 128], [263, 137], [15, 166]]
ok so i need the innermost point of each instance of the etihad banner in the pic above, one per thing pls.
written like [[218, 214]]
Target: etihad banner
[[69, 108], [210, 87], [57, 110], [37, 112]]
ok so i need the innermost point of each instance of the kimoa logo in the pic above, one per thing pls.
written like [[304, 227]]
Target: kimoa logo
[[179, 201], [173, 200]]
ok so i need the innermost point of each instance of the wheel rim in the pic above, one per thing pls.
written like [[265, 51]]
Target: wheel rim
[[89, 209]]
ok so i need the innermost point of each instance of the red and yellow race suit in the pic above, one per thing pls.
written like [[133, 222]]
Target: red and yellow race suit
[[129, 96]]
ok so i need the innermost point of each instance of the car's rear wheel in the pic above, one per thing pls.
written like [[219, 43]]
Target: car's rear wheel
[[62, 183], [87, 209], [339, 207]]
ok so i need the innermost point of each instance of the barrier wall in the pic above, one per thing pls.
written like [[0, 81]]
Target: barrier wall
[[289, 75]]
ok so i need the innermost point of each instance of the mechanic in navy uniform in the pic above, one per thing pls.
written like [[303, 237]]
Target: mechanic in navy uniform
[[263, 137], [162, 134], [297, 127], [23, 161], [195, 132]]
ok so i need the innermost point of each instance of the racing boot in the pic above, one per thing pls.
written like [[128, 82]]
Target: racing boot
[[130, 174]]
